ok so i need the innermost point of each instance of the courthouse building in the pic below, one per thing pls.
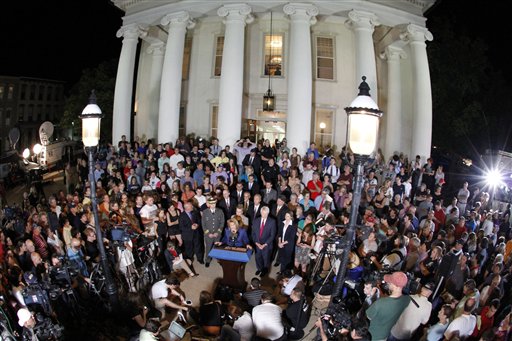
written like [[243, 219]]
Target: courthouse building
[[203, 67]]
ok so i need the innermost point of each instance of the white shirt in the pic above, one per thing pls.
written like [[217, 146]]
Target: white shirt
[[201, 199], [267, 321], [159, 290], [174, 159], [465, 324], [244, 326], [412, 317]]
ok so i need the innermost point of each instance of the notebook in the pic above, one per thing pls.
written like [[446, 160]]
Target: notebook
[[177, 329]]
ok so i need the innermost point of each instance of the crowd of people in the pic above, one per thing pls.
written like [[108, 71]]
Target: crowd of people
[[424, 264]]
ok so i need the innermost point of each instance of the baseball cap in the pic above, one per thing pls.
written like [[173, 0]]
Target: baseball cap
[[23, 316], [397, 278]]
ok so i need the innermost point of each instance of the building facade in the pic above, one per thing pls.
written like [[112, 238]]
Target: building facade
[[25, 103], [203, 67]]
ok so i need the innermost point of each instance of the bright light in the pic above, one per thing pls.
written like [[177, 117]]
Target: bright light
[[322, 125], [26, 153], [494, 178], [37, 148]]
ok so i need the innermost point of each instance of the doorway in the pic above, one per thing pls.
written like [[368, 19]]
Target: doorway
[[264, 129]]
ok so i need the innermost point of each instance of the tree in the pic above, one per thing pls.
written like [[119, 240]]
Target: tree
[[102, 79]]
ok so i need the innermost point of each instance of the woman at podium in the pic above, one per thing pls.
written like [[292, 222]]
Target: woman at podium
[[234, 236]]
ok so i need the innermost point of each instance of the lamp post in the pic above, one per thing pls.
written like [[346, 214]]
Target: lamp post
[[362, 131], [91, 118]]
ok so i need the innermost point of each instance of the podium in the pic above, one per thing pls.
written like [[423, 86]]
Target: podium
[[232, 260]]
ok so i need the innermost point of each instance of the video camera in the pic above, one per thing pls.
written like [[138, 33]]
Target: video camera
[[413, 285], [46, 329], [335, 319]]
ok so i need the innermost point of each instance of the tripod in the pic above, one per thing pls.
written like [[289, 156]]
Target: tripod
[[318, 268]]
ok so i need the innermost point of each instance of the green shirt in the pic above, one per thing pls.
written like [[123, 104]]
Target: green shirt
[[383, 315]]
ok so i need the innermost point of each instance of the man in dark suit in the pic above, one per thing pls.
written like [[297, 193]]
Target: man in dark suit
[[254, 160], [227, 204], [269, 195], [263, 235], [191, 233], [254, 210], [238, 193], [252, 186]]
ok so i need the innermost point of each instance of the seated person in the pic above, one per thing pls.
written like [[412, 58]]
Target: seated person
[[234, 236], [160, 292], [175, 260], [210, 314], [254, 292], [241, 326], [150, 331]]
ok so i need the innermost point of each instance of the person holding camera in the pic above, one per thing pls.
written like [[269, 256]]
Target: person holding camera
[[28, 322], [332, 328], [297, 314], [239, 325]]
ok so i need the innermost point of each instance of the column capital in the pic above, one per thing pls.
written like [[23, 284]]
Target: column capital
[[300, 11], [156, 49], [415, 33], [393, 53], [178, 18], [361, 19], [236, 12], [132, 31]]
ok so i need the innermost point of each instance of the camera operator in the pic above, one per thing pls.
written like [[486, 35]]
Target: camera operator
[[28, 322], [342, 328], [394, 259], [297, 314]]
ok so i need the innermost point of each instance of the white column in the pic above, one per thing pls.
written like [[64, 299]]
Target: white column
[[124, 81], [422, 92], [170, 89], [157, 52], [298, 116], [232, 72], [363, 24], [393, 142]]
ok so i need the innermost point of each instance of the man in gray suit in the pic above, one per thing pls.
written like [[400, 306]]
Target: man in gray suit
[[213, 225], [269, 195]]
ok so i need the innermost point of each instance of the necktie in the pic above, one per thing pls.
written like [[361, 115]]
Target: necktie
[[262, 226], [250, 185], [321, 204], [227, 203], [251, 160]]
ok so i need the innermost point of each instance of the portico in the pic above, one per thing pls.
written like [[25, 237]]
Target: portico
[[205, 70]]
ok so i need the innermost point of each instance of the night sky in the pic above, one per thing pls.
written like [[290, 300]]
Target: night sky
[[58, 39]]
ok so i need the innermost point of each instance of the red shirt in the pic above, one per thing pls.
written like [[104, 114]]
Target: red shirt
[[312, 188], [441, 216]]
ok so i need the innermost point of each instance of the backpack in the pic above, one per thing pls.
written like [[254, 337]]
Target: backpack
[[401, 264]]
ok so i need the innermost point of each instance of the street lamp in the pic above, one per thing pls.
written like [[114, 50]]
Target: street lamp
[[91, 118], [362, 132]]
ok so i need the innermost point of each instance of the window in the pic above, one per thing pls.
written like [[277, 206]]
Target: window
[[10, 93], [219, 47], [30, 113], [8, 112], [32, 92], [49, 93], [325, 58], [23, 94], [214, 120], [41, 92], [273, 55], [1, 92], [186, 57], [324, 127]]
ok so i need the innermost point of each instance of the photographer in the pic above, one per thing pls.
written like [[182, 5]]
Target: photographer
[[28, 322], [340, 326], [297, 314]]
